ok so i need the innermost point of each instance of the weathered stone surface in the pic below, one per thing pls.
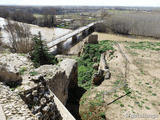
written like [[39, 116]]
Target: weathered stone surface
[[9, 78], [95, 59], [56, 80], [71, 69], [2, 115], [103, 64], [92, 39], [14, 108], [107, 74], [42, 105], [14, 62], [103, 71], [43, 101], [95, 66], [10, 67], [98, 77]]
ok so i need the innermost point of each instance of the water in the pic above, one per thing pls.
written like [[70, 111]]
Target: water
[[48, 34]]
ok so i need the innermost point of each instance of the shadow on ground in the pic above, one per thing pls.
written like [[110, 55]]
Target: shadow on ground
[[73, 101]]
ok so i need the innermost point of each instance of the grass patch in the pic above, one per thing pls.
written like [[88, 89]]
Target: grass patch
[[98, 100], [33, 73], [147, 107], [22, 70], [154, 94], [153, 104], [122, 105], [130, 106], [145, 45]]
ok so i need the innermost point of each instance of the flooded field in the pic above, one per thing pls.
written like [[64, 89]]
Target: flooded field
[[48, 34]]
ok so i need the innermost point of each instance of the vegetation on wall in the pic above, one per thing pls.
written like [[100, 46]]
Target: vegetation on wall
[[86, 61]]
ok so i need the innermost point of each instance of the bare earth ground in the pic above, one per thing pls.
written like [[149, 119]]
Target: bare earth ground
[[143, 79]]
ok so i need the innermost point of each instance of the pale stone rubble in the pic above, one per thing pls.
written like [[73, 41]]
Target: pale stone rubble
[[34, 98], [13, 106]]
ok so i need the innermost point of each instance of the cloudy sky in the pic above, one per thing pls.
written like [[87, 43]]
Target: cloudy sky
[[154, 3]]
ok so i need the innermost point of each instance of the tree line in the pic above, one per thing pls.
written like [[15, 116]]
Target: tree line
[[47, 20]]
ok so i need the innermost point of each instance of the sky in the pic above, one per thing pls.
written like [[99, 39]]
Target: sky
[[152, 3]]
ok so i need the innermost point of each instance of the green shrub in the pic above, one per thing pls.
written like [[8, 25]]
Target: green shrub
[[40, 55], [22, 70], [33, 73]]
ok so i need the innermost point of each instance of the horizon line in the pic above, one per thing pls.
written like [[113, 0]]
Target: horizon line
[[78, 5]]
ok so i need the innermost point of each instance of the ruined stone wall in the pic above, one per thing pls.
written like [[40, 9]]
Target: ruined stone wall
[[38, 88], [41, 102]]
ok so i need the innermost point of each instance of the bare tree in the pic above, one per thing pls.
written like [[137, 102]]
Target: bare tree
[[19, 36], [0, 37], [82, 21], [103, 14]]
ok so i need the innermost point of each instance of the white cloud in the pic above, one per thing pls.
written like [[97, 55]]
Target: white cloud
[[83, 2]]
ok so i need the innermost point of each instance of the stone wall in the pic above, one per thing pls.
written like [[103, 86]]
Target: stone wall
[[56, 80], [92, 39], [71, 70], [41, 102]]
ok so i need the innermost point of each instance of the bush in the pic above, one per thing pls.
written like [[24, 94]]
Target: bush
[[100, 27], [40, 54]]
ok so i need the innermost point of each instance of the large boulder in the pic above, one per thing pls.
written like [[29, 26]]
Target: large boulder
[[98, 77], [9, 78], [71, 69], [10, 67]]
